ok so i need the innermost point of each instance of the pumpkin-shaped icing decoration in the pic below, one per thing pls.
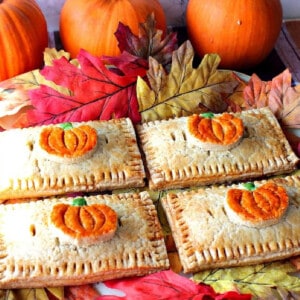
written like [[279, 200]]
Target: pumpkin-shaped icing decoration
[[216, 132], [257, 206], [86, 224], [67, 141]]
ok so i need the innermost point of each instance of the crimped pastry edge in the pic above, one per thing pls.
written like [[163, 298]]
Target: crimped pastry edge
[[44, 185], [200, 174], [194, 260], [25, 273]]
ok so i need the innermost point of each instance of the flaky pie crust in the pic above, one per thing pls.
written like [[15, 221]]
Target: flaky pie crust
[[173, 160], [33, 255], [27, 171], [206, 238]]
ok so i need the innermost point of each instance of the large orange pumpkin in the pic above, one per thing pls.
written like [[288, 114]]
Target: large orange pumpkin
[[242, 32], [23, 37], [91, 24]]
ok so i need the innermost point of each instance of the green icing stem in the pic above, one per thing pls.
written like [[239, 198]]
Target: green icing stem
[[79, 202], [250, 186], [66, 125], [208, 115]]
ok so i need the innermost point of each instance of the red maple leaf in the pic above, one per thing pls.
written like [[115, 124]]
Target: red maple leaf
[[166, 285], [149, 42], [95, 91]]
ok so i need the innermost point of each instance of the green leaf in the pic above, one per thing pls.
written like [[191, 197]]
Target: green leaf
[[184, 90], [263, 281]]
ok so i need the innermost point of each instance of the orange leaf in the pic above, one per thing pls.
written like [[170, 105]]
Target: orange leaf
[[279, 94]]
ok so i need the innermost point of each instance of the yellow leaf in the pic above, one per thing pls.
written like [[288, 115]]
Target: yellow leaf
[[262, 281], [184, 90], [32, 294], [51, 53]]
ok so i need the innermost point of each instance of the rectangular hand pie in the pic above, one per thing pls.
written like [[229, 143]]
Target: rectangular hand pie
[[222, 226], [69, 157], [70, 241], [202, 150]]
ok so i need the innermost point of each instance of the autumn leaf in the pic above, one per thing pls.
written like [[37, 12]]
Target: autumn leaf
[[14, 93], [50, 54], [149, 41], [184, 90], [95, 92], [278, 94], [166, 285], [81, 292], [263, 281], [56, 293]]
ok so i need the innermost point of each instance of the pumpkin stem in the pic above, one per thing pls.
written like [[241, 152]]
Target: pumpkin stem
[[208, 115], [78, 201], [66, 125], [250, 186]]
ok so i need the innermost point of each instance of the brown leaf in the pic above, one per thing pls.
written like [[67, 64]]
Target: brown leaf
[[184, 90]]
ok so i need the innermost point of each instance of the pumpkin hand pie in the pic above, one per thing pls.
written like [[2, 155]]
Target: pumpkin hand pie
[[212, 230], [72, 241], [202, 150], [69, 157]]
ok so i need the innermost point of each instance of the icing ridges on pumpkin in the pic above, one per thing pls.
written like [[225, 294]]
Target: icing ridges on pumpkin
[[261, 207], [85, 225], [68, 143], [216, 132]]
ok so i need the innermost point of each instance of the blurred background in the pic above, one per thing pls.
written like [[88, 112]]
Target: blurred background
[[175, 11]]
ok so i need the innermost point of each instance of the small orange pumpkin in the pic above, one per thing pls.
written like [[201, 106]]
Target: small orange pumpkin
[[91, 25], [242, 32], [224, 129], [265, 203], [23, 36], [68, 141], [86, 223]]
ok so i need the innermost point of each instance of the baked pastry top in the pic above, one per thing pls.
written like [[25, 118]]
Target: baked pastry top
[[48, 160], [175, 159], [34, 252], [208, 236]]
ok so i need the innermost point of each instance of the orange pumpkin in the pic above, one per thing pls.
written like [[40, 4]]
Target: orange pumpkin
[[263, 203], [68, 141], [87, 223], [242, 32], [91, 25], [224, 129], [23, 37]]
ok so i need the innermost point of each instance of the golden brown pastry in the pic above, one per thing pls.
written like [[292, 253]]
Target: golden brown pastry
[[36, 251], [208, 236], [69, 157], [176, 159]]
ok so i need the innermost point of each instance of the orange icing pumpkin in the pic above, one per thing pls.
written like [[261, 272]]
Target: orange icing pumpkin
[[68, 141], [85, 224], [257, 207], [216, 132]]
